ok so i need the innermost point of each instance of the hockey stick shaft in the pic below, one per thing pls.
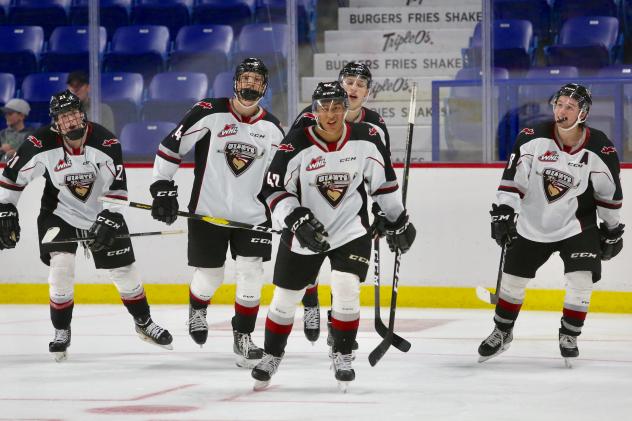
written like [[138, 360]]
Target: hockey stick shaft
[[210, 219], [482, 293], [381, 349], [135, 234]]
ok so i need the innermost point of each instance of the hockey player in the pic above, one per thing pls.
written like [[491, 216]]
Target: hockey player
[[316, 191], [560, 177], [80, 161], [234, 140], [355, 78]]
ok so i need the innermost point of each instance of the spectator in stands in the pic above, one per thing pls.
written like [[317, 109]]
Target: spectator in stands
[[79, 84], [15, 112]]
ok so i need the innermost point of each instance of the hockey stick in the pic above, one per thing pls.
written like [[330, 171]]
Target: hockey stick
[[49, 237], [482, 293], [398, 342], [388, 340], [210, 219]]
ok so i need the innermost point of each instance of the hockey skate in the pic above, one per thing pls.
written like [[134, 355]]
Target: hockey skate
[[150, 332], [342, 369], [248, 354], [495, 344], [264, 370], [568, 349], [60, 344], [198, 326], [311, 323]]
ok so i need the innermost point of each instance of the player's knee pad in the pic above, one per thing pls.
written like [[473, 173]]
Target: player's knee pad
[[285, 301], [579, 286], [206, 281], [249, 277], [513, 286], [61, 277], [345, 290], [127, 280]]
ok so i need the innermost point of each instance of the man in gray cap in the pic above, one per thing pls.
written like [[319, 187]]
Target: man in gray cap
[[15, 112]]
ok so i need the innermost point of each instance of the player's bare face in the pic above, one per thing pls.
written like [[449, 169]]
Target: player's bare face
[[331, 115], [565, 111], [357, 88], [250, 80]]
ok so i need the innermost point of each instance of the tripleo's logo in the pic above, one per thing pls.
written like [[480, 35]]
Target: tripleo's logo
[[80, 185], [333, 187], [239, 156], [549, 156], [228, 130], [556, 183], [316, 163], [62, 165]]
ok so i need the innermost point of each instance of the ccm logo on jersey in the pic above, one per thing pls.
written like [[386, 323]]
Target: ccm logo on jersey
[[118, 252], [549, 156], [527, 131], [583, 254], [316, 163], [62, 165], [110, 142], [36, 142], [286, 147], [108, 222], [261, 240], [229, 130], [607, 150]]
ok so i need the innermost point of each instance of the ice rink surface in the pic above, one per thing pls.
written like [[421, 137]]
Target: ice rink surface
[[111, 374]]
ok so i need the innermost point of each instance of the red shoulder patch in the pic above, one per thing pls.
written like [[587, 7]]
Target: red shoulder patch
[[205, 105], [311, 116], [286, 147], [35, 141], [372, 131], [607, 150], [528, 131], [110, 142]]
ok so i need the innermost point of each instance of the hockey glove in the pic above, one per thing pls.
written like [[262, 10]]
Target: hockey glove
[[400, 234], [503, 224], [165, 206], [105, 228], [611, 240], [9, 226], [309, 232], [378, 227]]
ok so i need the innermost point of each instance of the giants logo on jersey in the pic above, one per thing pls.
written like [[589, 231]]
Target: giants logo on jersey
[[80, 185], [316, 163], [229, 130], [556, 183], [110, 142], [549, 156], [239, 156], [62, 165], [333, 187], [35, 141]]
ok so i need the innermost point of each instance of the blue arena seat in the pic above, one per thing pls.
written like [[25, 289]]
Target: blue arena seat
[[171, 94], [275, 11], [235, 13], [68, 49], [7, 87], [37, 89], [4, 11], [588, 42], [538, 12], [123, 92], [203, 49], [140, 140], [269, 42], [20, 47], [138, 49], [173, 14], [45, 13], [564, 10], [112, 14]]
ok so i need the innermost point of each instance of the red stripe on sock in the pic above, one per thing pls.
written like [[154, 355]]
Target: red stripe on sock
[[246, 311], [573, 314], [345, 326], [199, 300], [139, 297], [513, 308], [274, 327], [312, 290], [61, 306]]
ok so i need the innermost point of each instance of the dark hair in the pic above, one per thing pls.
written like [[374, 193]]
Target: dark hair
[[78, 76]]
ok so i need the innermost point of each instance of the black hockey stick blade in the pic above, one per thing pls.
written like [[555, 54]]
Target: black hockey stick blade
[[484, 294], [377, 354], [398, 342]]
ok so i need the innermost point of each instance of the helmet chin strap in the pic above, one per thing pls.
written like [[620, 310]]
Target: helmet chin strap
[[248, 106], [579, 120]]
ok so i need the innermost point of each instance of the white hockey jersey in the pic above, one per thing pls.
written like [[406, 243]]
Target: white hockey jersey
[[232, 154], [557, 191], [332, 179], [75, 178]]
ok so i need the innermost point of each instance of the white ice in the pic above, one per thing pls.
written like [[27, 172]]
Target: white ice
[[111, 374]]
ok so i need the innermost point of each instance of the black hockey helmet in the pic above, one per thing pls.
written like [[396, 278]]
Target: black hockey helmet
[[578, 92], [254, 65], [355, 68], [63, 102], [326, 91]]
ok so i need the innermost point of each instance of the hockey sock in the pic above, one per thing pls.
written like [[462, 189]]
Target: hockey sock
[[61, 314], [310, 299], [280, 319], [344, 331], [249, 279], [579, 287], [197, 303], [345, 310], [510, 299], [137, 305], [203, 285]]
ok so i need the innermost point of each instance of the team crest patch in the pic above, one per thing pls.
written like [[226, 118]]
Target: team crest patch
[[316, 163], [527, 131], [556, 183], [80, 185], [204, 104], [286, 147], [607, 150], [110, 142], [35, 141], [239, 156], [549, 156], [333, 186], [228, 130], [372, 131]]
